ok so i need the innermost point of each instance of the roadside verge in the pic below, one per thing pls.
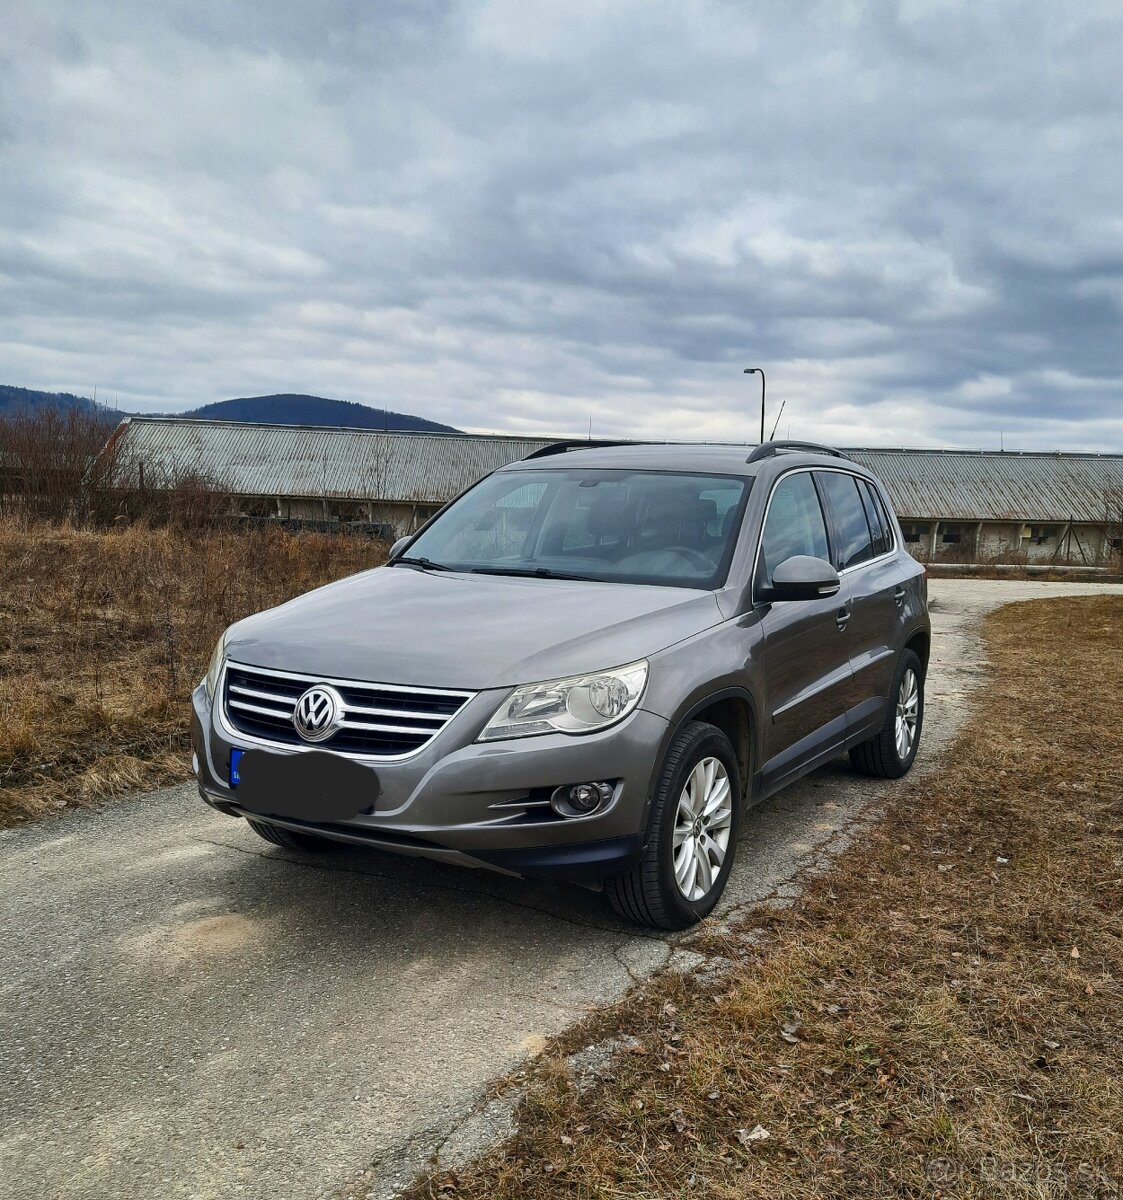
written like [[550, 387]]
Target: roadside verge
[[940, 1012]]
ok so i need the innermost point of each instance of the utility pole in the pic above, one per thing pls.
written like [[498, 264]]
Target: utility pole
[[759, 371]]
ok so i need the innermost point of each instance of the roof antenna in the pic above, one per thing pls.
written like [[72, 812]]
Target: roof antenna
[[1001, 443], [772, 435]]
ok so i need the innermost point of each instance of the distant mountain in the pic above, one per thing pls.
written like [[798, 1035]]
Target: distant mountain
[[286, 409], [17, 399], [289, 409]]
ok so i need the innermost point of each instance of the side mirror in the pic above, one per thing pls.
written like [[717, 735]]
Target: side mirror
[[803, 577], [397, 548]]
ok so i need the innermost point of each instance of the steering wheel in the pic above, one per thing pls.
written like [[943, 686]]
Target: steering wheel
[[695, 557], [656, 559]]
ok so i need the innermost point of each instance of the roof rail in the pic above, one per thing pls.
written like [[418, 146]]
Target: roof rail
[[768, 449], [572, 444]]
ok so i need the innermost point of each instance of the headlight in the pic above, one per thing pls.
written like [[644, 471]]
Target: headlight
[[213, 671], [581, 704]]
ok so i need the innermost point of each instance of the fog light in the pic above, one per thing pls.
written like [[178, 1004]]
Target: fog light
[[580, 799]]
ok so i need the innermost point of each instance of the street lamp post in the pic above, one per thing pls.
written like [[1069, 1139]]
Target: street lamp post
[[759, 371]]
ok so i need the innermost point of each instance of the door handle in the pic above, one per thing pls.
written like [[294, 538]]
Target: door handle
[[841, 618], [899, 596]]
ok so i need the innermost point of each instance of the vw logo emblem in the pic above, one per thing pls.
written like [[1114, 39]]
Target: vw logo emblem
[[318, 713]]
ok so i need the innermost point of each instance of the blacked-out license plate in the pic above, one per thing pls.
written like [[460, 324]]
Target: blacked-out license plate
[[310, 785]]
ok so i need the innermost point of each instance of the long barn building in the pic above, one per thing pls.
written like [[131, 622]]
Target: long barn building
[[972, 506]]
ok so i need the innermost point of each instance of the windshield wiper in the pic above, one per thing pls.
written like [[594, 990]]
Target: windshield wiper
[[426, 564], [534, 573]]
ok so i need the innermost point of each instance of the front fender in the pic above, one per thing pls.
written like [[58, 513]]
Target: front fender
[[688, 678]]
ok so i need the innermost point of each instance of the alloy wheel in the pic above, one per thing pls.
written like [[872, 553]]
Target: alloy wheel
[[702, 825], [908, 713]]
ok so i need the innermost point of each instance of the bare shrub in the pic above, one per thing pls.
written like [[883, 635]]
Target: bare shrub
[[45, 460], [124, 488], [185, 500], [65, 465]]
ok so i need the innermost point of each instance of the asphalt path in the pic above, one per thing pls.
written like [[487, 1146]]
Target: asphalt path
[[188, 1012]]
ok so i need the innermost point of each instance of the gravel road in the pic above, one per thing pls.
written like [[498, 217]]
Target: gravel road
[[186, 1012]]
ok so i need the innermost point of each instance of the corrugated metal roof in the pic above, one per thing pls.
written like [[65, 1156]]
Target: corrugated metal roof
[[971, 485], [299, 460]]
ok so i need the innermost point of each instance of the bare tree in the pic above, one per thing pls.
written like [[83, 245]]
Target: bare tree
[[46, 457], [67, 465]]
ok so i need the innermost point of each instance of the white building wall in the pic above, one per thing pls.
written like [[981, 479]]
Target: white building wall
[[403, 518], [1006, 541]]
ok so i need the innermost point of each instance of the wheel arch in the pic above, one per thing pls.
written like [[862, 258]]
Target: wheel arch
[[734, 711], [920, 643]]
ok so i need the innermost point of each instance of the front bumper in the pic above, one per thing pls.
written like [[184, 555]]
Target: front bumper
[[459, 801]]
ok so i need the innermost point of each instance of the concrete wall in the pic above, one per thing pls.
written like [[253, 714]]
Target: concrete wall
[[404, 518], [1006, 541]]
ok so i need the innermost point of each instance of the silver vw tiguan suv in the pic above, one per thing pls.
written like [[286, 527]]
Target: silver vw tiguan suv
[[589, 666]]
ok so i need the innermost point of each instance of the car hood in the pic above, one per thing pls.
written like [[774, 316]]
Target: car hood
[[438, 629]]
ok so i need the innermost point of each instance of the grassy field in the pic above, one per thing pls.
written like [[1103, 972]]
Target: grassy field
[[103, 635], [941, 1014]]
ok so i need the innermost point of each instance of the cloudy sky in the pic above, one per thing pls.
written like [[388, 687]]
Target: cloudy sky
[[522, 215]]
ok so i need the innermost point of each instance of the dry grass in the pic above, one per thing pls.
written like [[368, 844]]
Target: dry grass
[[104, 634], [940, 1015]]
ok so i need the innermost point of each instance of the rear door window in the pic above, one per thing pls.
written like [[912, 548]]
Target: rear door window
[[887, 519], [882, 541], [853, 543]]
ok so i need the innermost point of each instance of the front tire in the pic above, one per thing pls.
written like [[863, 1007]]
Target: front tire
[[892, 751], [692, 835], [289, 839]]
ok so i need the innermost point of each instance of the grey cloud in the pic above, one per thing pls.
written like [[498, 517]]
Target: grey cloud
[[521, 216]]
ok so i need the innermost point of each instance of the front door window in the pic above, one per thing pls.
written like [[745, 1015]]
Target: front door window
[[794, 525]]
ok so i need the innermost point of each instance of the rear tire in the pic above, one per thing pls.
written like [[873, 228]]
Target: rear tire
[[892, 751], [302, 843], [691, 837]]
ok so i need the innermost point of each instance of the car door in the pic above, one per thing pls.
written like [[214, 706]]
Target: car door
[[804, 652], [863, 544]]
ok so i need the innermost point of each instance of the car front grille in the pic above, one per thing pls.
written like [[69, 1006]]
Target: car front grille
[[379, 720]]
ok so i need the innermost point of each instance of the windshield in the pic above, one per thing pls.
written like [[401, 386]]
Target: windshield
[[613, 526]]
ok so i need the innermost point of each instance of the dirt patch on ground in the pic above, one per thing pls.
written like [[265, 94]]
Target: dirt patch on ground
[[940, 1013]]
